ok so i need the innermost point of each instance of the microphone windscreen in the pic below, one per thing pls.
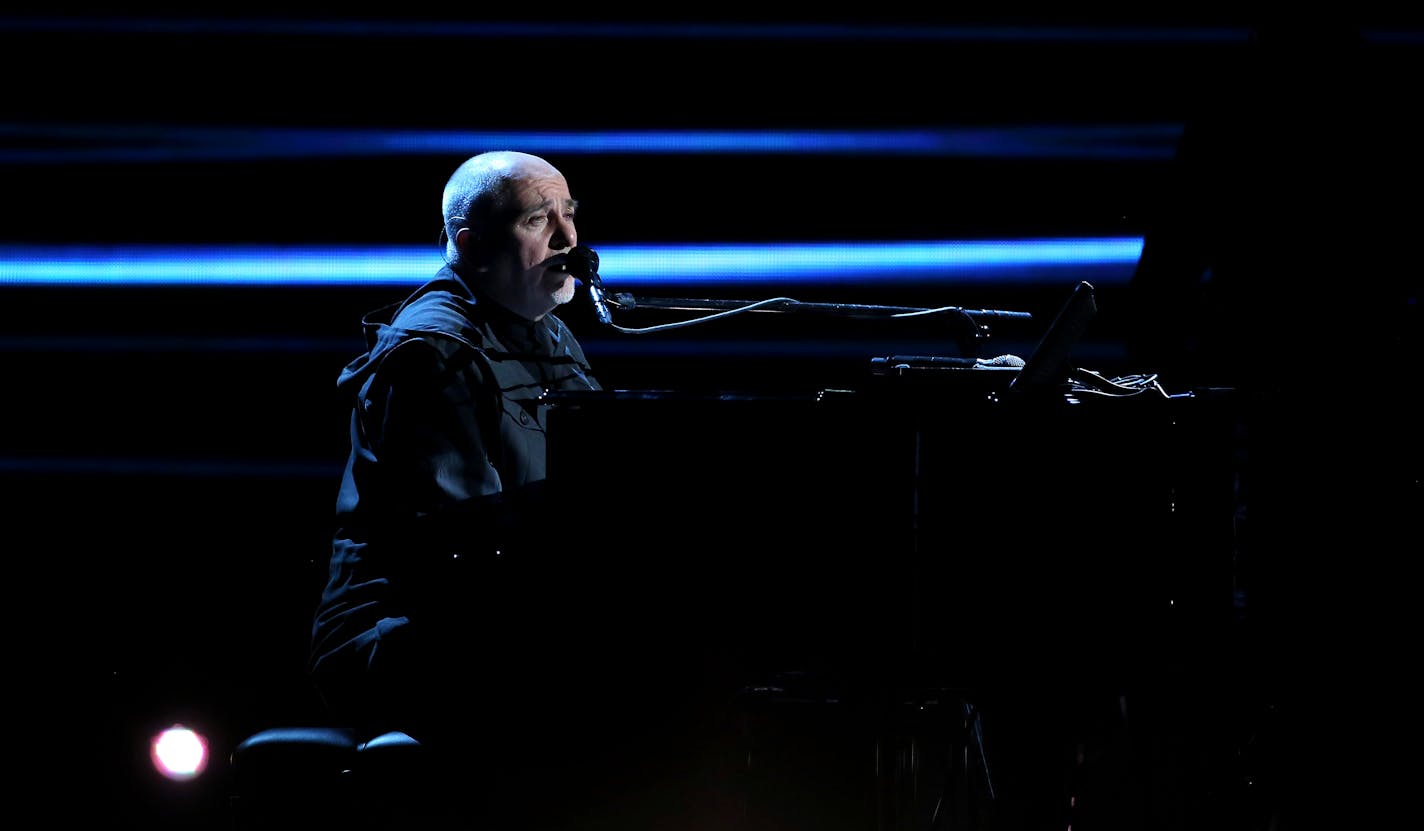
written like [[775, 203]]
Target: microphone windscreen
[[1004, 360], [583, 261]]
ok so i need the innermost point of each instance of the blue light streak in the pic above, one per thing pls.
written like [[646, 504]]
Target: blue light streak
[[622, 266], [447, 28], [55, 143]]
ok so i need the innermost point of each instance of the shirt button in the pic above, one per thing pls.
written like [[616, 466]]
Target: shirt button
[[523, 418]]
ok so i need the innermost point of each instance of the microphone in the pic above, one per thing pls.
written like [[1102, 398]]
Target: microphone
[[583, 262]]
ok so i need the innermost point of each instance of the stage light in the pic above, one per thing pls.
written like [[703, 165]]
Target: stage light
[[179, 753]]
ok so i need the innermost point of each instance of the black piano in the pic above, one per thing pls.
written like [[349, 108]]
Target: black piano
[[875, 569]]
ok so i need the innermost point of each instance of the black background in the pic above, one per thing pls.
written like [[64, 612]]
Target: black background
[[173, 452]]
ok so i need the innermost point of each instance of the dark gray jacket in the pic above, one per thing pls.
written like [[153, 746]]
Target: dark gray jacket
[[446, 465]]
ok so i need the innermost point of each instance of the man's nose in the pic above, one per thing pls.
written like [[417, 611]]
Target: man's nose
[[564, 235]]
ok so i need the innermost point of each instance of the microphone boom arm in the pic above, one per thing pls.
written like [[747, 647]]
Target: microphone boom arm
[[973, 318], [625, 300]]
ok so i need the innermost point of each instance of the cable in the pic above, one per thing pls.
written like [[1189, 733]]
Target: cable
[[1088, 382], [705, 319]]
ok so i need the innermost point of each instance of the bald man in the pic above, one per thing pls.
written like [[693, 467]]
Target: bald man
[[418, 627]]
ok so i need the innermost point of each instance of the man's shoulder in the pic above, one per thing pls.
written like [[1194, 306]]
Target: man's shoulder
[[437, 308], [431, 360], [442, 313]]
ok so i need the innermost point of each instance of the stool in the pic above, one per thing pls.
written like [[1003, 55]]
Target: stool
[[324, 776]]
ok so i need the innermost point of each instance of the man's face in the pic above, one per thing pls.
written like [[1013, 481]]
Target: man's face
[[529, 276]]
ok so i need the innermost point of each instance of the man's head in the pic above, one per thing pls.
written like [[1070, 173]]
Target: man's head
[[509, 219]]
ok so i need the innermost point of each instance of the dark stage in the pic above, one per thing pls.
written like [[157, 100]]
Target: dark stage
[[818, 595]]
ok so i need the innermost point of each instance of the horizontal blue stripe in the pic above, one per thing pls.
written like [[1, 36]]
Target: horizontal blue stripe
[[53, 143], [156, 466], [632, 30], [621, 266], [53, 344], [1018, 337], [1406, 30]]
